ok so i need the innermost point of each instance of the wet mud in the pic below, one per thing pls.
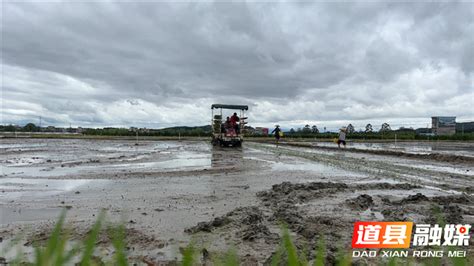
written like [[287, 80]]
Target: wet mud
[[432, 156], [168, 193], [299, 207]]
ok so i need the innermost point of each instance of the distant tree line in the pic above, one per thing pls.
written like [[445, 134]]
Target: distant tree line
[[172, 131], [30, 127], [307, 131], [111, 131], [385, 132]]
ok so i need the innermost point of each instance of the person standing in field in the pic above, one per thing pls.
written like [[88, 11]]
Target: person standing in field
[[277, 134], [233, 120], [342, 137]]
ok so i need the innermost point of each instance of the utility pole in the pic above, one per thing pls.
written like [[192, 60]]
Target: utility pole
[[431, 131]]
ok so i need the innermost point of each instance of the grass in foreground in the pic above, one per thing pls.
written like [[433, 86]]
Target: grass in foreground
[[60, 250]]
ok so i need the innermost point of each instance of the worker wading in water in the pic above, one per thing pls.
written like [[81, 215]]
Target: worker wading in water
[[278, 134], [342, 137]]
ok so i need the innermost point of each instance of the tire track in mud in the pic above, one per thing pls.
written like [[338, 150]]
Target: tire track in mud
[[451, 158], [377, 168]]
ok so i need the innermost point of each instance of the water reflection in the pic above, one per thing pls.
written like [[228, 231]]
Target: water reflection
[[465, 149], [35, 188], [226, 157]]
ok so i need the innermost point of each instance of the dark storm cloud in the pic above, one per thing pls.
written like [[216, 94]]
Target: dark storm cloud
[[160, 64]]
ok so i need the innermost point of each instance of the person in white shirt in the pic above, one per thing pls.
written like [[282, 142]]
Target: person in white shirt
[[342, 137]]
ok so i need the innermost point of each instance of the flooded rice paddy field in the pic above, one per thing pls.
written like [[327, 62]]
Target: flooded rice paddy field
[[169, 192], [442, 147]]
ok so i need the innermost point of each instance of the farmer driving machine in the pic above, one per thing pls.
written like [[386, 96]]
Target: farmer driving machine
[[228, 132]]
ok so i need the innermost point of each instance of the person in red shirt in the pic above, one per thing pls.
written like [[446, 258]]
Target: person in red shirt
[[233, 120]]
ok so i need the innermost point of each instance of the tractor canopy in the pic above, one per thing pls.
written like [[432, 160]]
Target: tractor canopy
[[229, 106]]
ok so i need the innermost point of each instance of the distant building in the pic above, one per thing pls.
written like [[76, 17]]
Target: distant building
[[261, 131], [443, 125], [465, 127], [424, 132], [257, 131]]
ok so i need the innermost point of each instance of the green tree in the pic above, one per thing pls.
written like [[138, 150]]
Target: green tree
[[9, 128], [350, 129], [368, 128], [30, 127], [306, 129], [385, 127]]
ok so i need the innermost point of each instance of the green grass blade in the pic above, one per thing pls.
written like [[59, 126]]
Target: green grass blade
[[290, 248], [231, 258], [343, 258], [54, 240], [59, 254], [303, 256], [320, 253], [90, 242], [188, 255], [118, 241], [276, 258], [38, 256], [457, 261], [392, 261]]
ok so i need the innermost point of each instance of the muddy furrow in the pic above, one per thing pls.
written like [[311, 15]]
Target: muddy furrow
[[325, 210], [431, 156], [382, 169]]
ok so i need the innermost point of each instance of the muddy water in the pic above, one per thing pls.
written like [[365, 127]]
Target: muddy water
[[158, 189], [456, 148], [443, 175]]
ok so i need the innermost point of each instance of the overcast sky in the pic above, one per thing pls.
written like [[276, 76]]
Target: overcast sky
[[162, 64]]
